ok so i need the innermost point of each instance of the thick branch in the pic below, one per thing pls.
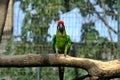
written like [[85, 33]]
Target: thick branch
[[95, 68]]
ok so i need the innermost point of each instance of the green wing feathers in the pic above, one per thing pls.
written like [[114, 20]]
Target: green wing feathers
[[53, 41], [68, 45]]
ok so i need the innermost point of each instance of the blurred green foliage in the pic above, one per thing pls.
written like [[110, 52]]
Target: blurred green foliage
[[92, 44], [38, 16]]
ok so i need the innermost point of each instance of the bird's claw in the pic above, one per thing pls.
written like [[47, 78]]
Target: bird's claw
[[56, 54], [65, 55]]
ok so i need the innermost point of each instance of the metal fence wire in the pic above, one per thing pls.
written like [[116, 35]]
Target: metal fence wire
[[92, 29]]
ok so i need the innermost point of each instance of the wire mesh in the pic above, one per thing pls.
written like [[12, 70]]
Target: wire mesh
[[90, 37]]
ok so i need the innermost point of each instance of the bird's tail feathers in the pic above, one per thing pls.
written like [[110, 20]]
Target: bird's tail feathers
[[61, 73]]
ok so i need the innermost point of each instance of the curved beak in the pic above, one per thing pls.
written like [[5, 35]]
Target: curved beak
[[61, 28]]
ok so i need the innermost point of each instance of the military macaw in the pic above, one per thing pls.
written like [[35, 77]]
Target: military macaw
[[61, 44]]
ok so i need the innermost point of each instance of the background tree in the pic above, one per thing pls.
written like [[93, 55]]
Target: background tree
[[3, 11], [38, 16]]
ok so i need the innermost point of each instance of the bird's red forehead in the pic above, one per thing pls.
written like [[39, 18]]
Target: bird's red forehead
[[60, 22]]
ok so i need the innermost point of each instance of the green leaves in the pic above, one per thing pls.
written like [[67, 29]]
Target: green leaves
[[92, 44]]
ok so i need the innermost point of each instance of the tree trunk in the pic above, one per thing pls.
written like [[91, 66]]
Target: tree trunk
[[9, 21], [3, 14], [97, 70]]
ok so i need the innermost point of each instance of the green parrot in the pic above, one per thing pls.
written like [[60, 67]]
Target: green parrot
[[61, 44]]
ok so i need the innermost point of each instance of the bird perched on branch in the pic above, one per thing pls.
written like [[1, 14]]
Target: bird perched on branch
[[61, 44]]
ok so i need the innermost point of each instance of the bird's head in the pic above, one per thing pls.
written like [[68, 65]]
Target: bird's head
[[60, 26]]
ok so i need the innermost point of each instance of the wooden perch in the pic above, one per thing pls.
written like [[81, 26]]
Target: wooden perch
[[96, 69]]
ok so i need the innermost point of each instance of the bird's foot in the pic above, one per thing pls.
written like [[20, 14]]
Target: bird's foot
[[56, 54], [65, 55]]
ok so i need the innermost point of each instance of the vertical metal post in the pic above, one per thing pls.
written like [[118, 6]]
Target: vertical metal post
[[118, 45], [38, 73]]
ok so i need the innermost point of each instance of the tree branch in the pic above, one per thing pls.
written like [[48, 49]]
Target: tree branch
[[96, 69], [107, 24], [103, 20]]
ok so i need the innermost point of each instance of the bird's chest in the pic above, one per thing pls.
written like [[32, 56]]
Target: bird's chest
[[61, 41]]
